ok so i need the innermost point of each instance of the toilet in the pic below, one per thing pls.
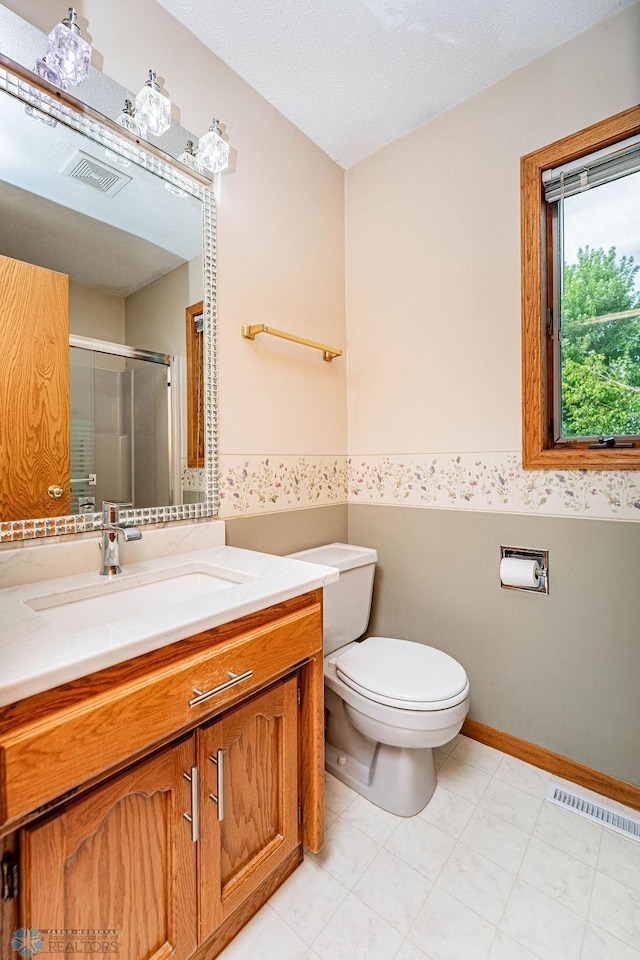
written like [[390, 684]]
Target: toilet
[[388, 702]]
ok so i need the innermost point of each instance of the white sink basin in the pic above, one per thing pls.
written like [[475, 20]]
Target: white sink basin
[[121, 597]]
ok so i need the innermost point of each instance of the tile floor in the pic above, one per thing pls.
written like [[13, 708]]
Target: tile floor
[[488, 871]]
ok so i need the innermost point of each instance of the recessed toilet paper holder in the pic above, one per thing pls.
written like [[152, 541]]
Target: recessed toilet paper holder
[[541, 558]]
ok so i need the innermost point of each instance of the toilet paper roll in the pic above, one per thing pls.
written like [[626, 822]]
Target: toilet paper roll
[[515, 572]]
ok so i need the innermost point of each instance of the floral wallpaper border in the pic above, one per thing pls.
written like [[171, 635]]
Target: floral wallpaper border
[[493, 481], [193, 478], [467, 481], [256, 484]]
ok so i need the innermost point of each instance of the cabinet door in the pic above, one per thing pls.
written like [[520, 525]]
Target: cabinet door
[[248, 761], [120, 859]]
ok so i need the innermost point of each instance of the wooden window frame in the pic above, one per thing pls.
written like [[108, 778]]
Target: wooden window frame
[[195, 396], [539, 449]]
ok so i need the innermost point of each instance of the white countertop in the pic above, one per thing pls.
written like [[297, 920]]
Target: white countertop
[[35, 655]]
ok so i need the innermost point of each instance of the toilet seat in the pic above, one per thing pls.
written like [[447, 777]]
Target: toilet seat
[[403, 674]]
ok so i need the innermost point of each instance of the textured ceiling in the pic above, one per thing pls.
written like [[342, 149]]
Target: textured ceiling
[[92, 253], [356, 74]]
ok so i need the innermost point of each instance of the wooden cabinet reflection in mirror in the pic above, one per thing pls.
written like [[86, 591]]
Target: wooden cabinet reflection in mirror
[[195, 385], [34, 391]]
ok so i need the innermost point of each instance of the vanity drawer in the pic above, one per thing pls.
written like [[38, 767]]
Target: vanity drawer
[[42, 759]]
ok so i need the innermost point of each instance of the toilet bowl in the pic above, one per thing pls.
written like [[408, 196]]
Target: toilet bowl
[[388, 702]]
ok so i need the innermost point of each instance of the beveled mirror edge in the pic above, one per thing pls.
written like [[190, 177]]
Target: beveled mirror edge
[[17, 81]]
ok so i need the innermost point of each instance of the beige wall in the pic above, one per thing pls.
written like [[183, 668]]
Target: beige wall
[[433, 311], [95, 314], [433, 252], [280, 231], [155, 320], [155, 314]]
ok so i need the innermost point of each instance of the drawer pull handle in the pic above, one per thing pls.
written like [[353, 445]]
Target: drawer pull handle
[[234, 678], [192, 817], [219, 800]]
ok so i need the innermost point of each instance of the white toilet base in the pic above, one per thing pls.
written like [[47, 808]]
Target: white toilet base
[[380, 733], [399, 779]]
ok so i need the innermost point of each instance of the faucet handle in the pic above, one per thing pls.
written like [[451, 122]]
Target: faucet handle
[[111, 510]]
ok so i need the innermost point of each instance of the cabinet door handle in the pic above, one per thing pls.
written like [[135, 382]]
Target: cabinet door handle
[[234, 678], [192, 817], [218, 760]]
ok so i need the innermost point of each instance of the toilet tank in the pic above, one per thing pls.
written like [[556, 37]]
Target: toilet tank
[[347, 603]]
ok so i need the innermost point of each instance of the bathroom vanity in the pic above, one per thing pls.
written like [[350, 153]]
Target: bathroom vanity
[[165, 796]]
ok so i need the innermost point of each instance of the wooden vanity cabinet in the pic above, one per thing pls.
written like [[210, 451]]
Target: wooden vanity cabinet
[[121, 859], [179, 849], [249, 789]]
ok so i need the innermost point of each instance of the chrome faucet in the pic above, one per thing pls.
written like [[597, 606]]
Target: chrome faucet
[[112, 528]]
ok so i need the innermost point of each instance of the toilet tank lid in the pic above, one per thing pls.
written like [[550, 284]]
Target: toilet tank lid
[[344, 556]]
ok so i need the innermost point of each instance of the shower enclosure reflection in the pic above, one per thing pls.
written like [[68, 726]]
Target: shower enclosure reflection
[[120, 425]]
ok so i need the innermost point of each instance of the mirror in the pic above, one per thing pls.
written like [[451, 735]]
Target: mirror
[[103, 393]]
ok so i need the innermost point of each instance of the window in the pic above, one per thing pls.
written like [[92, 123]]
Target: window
[[581, 298]]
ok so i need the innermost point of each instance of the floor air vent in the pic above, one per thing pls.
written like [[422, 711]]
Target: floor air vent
[[599, 813]]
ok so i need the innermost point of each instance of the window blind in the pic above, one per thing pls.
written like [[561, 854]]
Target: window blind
[[603, 166]]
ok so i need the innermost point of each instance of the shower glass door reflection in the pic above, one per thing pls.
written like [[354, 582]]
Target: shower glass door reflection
[[120, 426]]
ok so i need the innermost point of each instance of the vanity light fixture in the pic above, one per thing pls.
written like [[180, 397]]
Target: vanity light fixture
[[40, 103], [128, 121], [66, 63], [213, 151], [68, 55], [175, 189], [153, 110], [190, 158]]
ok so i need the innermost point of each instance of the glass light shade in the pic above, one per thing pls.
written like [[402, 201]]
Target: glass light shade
[[127, 119], [119, 158], [41, 103], [44, 69], [127, 151], [176, 191], [153, 111], [68, 54], [189, 157], [213, 151]]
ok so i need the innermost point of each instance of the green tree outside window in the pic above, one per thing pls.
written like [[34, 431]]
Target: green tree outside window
[[600, 345]]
